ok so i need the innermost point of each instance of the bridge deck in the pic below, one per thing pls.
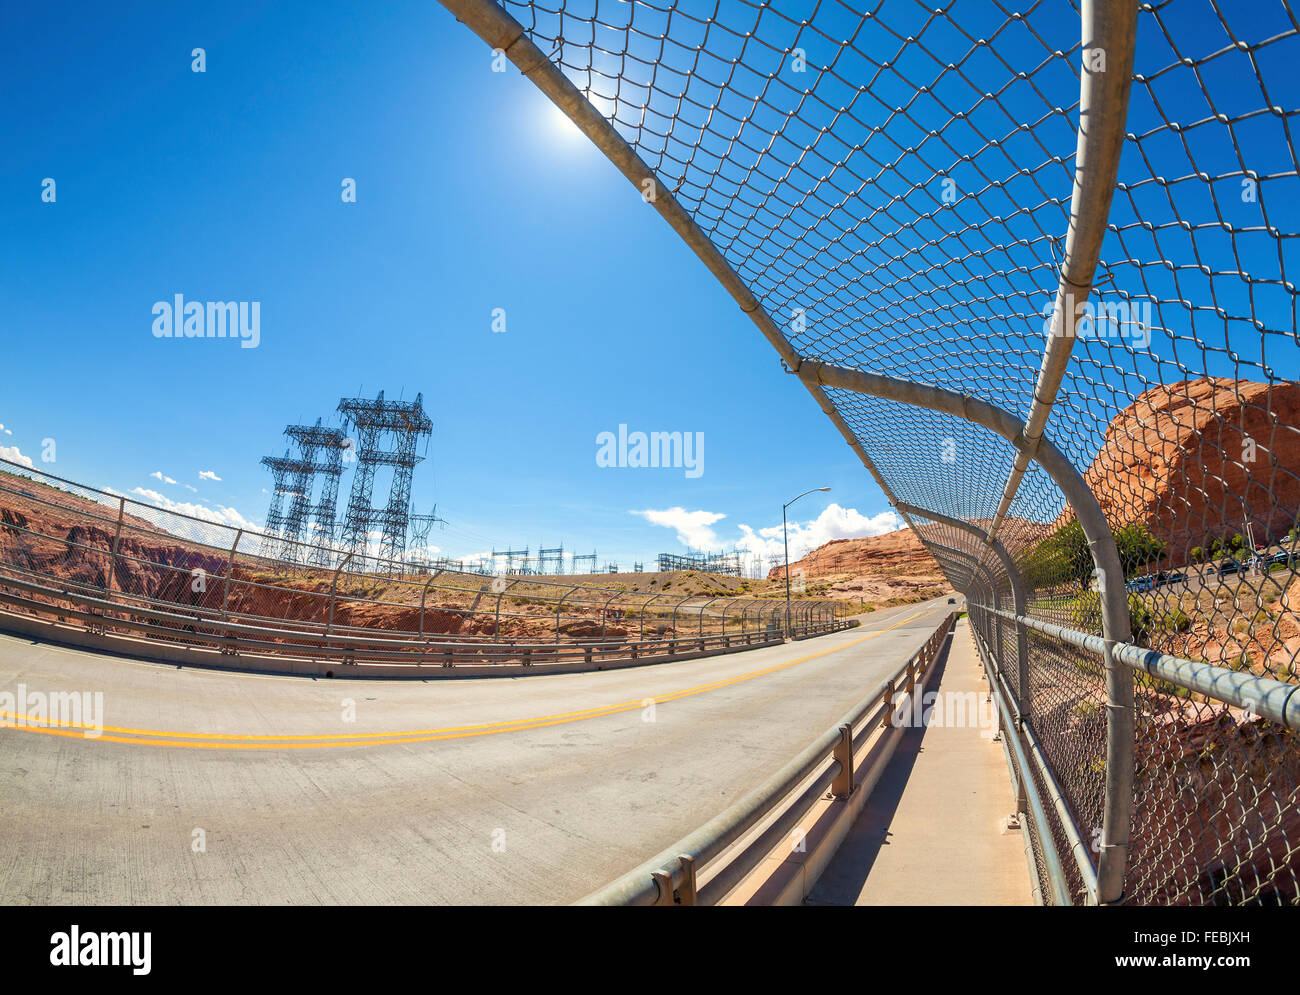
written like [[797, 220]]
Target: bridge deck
[[932, 832]]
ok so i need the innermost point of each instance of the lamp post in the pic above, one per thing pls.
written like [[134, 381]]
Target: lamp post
[[785, 534]]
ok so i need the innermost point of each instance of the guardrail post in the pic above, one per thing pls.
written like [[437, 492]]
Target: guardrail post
[[686, 894], [842, 786], [668, 895]]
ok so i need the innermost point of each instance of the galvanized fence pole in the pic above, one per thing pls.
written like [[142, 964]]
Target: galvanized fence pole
[[333, 590], [117, 537], [230, 565]]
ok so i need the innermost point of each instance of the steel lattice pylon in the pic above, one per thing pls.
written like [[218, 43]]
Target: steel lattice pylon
[[402, 424]]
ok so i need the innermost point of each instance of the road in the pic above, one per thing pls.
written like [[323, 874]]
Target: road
[[215, 787]]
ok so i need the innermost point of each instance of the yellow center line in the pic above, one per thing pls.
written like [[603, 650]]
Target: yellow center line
[[248, 741]]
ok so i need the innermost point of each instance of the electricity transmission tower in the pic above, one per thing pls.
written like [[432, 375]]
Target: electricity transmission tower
[[388, 433]]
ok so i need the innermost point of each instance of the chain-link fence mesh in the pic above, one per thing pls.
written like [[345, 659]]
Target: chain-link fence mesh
[[76, 554], [893, 182]]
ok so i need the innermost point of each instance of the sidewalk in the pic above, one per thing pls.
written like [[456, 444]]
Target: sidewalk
[[932, 831]]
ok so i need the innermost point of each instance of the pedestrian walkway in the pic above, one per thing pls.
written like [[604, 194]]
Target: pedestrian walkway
[[934, 831]]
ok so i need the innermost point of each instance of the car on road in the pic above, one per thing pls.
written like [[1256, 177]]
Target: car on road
[[1282, 557], [1228, 567], [952, 601]]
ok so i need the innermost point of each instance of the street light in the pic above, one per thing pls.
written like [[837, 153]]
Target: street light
[[785, 533]]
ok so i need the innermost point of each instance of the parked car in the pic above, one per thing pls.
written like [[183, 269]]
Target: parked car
[[1177, 577], [1229, 567], [1282, 557]]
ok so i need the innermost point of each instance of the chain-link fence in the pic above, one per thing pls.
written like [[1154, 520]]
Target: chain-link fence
[[1032, 261], [84, 556]]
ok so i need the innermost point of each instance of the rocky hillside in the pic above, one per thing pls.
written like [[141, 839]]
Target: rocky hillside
[[1194, 460], [887, 569]]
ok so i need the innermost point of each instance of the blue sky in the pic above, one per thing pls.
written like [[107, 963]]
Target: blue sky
[[472, 194]]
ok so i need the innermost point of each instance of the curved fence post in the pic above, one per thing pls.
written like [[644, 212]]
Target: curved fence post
[[644, 609], [603, 611], [726, 608], [675, 607], [496, 618], [230, 563], [424, 594], [117, 537], [559, 607], [703, 608], [333, 588]]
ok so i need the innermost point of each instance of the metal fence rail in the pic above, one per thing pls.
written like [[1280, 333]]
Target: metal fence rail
[[1037, 265], [117, 566], [705, 866]]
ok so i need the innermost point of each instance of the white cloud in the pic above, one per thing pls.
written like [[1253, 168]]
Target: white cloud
[[693, 527], [12, 454], [833, 523], [219, 514], [208, 475], [694, 530], [159, 475], [189, 487]]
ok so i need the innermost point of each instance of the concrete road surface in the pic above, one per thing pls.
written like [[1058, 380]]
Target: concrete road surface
[[213, 787]]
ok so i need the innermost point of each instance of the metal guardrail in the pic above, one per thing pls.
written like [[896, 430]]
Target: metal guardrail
[[673, 877], [139, 550], [122, 568], [104, 618]]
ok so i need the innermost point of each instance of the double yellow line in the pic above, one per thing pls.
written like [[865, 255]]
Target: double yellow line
[[248, 741]]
